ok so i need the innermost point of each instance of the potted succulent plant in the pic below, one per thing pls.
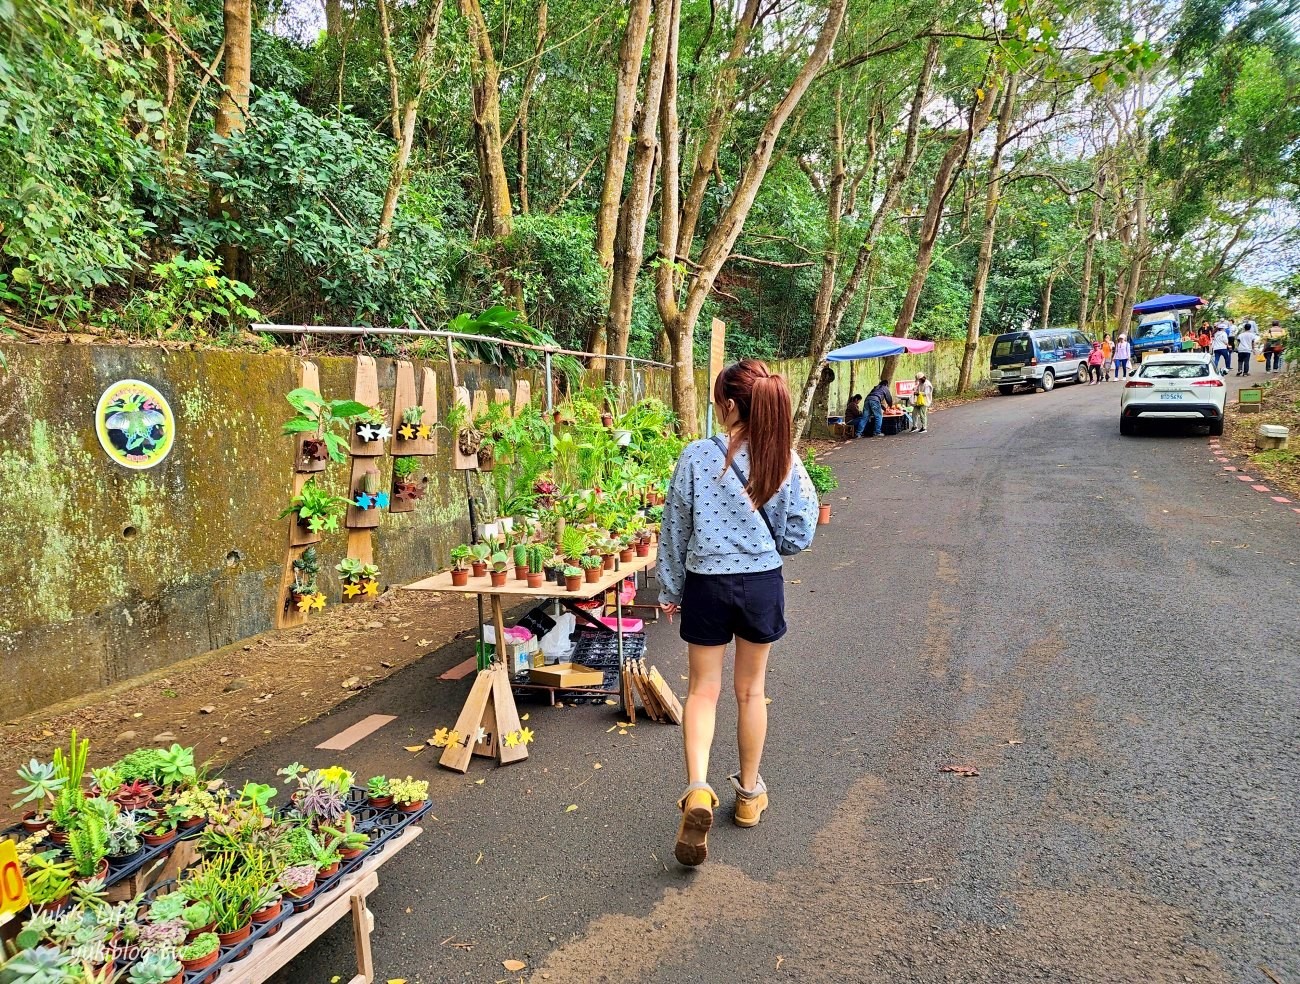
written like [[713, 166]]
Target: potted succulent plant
[[481, 552], [371, 425], [573, 544], [267, 905], [406, 487], [159, 828], [124, 841], [298, 880], [500, 563], [164, 935], [572, 578], [592, 567], [412, 426], [608, 553], [43, 964], [198, 919], [367, 492], [460, 565], [156, 967], [360, 580], [49, 882], [201, 952], [409, 794], [536, 560], [520, 554], [304, 592], [193, 806], [88, 842], [823, 481], [377, 792], [41, 783], [346, 839], [626, 550]]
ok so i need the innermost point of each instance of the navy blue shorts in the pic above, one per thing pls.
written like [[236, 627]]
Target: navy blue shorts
[[716, 607]]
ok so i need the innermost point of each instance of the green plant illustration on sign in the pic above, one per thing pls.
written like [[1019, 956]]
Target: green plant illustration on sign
[[134, 424]]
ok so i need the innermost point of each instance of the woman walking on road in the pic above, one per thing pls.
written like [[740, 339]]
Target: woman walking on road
[[1123, 352], [735, 507], [1095, 359], [1107, 357]]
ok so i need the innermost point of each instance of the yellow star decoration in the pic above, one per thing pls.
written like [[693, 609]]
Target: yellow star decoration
[[372, 589], [304, 603], [440, 738], [512, 739], [351, 590], [406, 432], [318, 601], [526, 736], [423, 431]]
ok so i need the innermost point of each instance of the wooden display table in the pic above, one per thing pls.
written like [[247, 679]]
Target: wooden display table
[[302, 929], [490, 713]]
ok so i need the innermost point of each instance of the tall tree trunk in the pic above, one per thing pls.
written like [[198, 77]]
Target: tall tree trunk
[[390, 66], [232, 113], [630, 55], [485, 76], [1045, 313], [985, 261], [409, 110], [821, 313], [629, 244], [820, 345], [333, 17], [679, 319], [1090, 245], [944, 179]]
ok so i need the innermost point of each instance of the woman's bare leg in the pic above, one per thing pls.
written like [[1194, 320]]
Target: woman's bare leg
[[701, 710], [751, 706]]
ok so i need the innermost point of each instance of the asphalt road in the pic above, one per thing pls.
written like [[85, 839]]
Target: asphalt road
[[1105, 627]]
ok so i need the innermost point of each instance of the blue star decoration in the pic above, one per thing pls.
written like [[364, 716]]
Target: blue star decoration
[[364, 501], [381, 500]]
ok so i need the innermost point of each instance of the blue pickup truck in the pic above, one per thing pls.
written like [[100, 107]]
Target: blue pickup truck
[[1157, 333]]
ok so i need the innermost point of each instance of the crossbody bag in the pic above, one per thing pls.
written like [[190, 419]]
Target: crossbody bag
[[744, 484]]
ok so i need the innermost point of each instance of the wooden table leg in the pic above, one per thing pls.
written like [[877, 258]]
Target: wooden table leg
[[362, 923]]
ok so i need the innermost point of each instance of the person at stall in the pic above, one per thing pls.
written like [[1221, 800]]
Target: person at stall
[[877, 399], [853, 416], [923, 396], [735, 507], [1203, 339]]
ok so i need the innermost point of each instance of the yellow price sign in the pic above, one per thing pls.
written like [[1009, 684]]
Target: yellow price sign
[[13, 889]]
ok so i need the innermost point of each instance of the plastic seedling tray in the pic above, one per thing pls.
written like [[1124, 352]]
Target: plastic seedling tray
[[117, 870]]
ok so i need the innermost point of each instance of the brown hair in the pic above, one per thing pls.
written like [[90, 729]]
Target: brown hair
[[764, 421]]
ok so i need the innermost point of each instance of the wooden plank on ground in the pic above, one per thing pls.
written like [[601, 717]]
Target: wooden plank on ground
[[457, 757], [364, 728], [665, 694], [507, 715]]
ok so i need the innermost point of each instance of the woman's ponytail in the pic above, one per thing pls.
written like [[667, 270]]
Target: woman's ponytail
[[765, 416]]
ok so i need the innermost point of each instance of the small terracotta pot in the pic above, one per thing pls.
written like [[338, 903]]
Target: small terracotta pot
[[267, 914], [498, 579], [626, 555], [411, 807], [32, 825], [521, 572], [824, 514], [100, 872], [643, 549], [158, 840], [58, 836], [54, 906], [536, 580], [177, 978], [349, 853], [194, 934], [235, 936], [302, 893], [189, 823], [381, 802], [329, 871], [609, 560], [203, 962], [592, 574], [478, 567], [459, 576], [572, 583]]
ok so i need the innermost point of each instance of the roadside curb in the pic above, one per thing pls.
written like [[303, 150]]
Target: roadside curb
[[1223, 458]]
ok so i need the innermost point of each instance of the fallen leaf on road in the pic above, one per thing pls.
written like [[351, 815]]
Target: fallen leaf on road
[[348, 684], [571, 807], [1014, 741], [479, 859], [797, 581], [767, 700], [611, 703], [525, 717], [595, 765], [622, 731], [779, 960], [397, 980], [424, 642], [335, 979], [414, 748], [608, 730], [626, 724], [965, 771], [513, 965], [479, 782]]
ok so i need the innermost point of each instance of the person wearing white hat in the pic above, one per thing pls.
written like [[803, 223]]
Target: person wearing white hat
[[922, 397], [1123, 352]]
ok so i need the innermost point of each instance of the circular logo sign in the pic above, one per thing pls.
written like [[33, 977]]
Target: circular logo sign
[[135, 424]]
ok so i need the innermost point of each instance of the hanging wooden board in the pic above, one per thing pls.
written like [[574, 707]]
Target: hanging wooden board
[[365, 519], [523, 394], [405, 436], [502, 396], [429, 401], [366, 390], [457, 757], [480, 405], [286, 613], [460, 461]]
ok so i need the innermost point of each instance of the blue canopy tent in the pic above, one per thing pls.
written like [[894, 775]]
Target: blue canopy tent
[[1167, 302], [878, 347]]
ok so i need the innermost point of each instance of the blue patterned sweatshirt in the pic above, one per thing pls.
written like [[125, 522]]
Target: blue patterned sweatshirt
[[710, 527]]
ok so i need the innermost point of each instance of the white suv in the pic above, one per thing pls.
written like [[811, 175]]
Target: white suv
[[1180, 386]]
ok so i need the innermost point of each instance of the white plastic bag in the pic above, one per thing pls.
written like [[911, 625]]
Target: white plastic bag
[[556, 644]]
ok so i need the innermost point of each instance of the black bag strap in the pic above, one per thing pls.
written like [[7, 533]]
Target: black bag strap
[[744, 483]]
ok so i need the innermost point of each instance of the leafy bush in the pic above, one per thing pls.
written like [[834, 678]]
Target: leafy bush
[[191, 299]]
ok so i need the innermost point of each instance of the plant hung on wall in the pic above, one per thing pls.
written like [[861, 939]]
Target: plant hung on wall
[[329, 418], [406, 487], [372, 425], [491, 426], [359, 580], [467, 438], [317, 510], [412, 426], [368, 494], [304, 592]]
